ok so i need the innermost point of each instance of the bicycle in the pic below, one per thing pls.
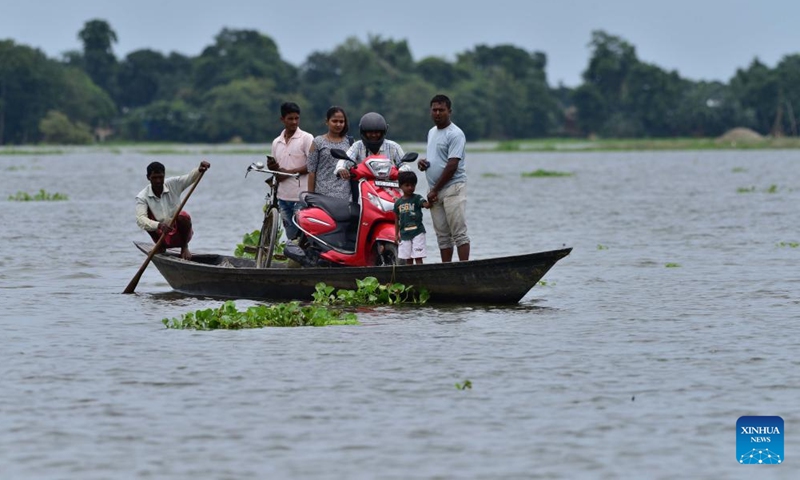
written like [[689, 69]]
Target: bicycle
[[272, 216]]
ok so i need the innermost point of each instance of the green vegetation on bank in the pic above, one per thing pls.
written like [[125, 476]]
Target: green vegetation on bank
[[636, 144], [230, 93], [523, 146]]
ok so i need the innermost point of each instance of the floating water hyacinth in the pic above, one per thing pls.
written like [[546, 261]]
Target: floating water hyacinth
[[465, 385], [545, 173], [370, 292], [290, 314], [41, 196]]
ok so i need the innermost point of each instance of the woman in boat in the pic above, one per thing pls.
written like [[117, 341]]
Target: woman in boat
[[322, 177]]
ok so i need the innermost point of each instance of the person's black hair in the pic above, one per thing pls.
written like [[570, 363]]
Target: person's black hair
[[331, 111], [407, 177], [289, 107], [442, 99], [155, 167]]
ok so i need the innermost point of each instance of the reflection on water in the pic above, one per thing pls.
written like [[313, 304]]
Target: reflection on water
[[616, 364]]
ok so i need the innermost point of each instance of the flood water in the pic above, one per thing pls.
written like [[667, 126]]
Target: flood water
[[676, 313]]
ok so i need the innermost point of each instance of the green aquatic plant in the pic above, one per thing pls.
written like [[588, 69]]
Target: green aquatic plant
[[490, 175], [247, 249], [369, 292], [771, 189], [40, 196], [672, 265], [545, 283], [601, 247], [789, 244], [738, 170], [464, 386], [545, 173], [248, 240], [290, 314]]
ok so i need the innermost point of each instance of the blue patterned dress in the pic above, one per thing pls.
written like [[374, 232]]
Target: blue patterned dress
[[322, 163]]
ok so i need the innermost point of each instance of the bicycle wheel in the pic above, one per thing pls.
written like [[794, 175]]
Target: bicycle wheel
[[269, 235]]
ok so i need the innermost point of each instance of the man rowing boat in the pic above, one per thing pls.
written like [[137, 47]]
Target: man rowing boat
[[157, 203]]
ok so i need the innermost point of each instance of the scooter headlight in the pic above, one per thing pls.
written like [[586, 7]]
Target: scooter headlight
[[381, 168]]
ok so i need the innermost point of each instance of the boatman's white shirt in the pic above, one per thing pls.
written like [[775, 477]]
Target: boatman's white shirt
[[163, 208]]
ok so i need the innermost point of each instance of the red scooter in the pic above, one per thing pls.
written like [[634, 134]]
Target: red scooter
[[337, 232]]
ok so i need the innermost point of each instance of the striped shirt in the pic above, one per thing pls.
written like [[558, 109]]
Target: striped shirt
[[358, 152]]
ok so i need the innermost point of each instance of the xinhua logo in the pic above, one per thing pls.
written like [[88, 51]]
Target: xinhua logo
[[759, 440]]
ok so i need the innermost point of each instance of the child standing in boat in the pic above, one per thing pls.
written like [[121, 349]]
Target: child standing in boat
[[410, 234]]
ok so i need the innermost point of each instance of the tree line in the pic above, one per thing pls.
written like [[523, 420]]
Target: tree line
[[232, 91]]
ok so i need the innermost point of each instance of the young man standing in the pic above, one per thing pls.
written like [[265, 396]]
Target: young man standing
[[290, 150], [158, 202], [447, 181]]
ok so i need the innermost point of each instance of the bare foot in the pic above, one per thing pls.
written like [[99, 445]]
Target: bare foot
[[185, 253]]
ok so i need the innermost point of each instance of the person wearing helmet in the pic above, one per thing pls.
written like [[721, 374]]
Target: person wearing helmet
[[373, 128]]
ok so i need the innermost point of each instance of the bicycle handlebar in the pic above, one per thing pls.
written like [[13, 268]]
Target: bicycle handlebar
[[259, 167]]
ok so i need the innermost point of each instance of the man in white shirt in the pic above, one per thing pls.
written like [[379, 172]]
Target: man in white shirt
[[158, 202]]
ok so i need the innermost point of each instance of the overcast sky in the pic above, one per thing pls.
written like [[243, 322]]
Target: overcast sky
[[701, 39]]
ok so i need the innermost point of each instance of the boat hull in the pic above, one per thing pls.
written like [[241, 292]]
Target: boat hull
[[494, 280]]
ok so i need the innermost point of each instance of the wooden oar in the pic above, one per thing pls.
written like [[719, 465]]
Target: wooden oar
[[135, 280]]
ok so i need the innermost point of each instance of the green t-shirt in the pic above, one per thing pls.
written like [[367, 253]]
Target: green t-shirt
[[409, 214]]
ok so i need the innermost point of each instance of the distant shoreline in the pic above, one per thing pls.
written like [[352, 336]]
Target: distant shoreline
[[557, 145]]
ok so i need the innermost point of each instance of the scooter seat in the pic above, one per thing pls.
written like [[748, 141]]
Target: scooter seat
[[339, 209]]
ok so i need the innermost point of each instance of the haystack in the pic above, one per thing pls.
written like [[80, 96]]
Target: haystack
[[740, 135]]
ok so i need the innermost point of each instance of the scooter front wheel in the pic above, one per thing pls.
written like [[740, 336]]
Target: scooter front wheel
[[386, 255]]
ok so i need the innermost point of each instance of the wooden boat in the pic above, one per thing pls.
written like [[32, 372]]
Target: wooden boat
[[492, 280]]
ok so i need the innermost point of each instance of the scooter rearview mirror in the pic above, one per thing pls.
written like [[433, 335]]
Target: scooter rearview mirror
[[409, 157], [339, 153]]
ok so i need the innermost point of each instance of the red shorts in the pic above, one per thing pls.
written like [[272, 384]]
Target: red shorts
[[176, 238]]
